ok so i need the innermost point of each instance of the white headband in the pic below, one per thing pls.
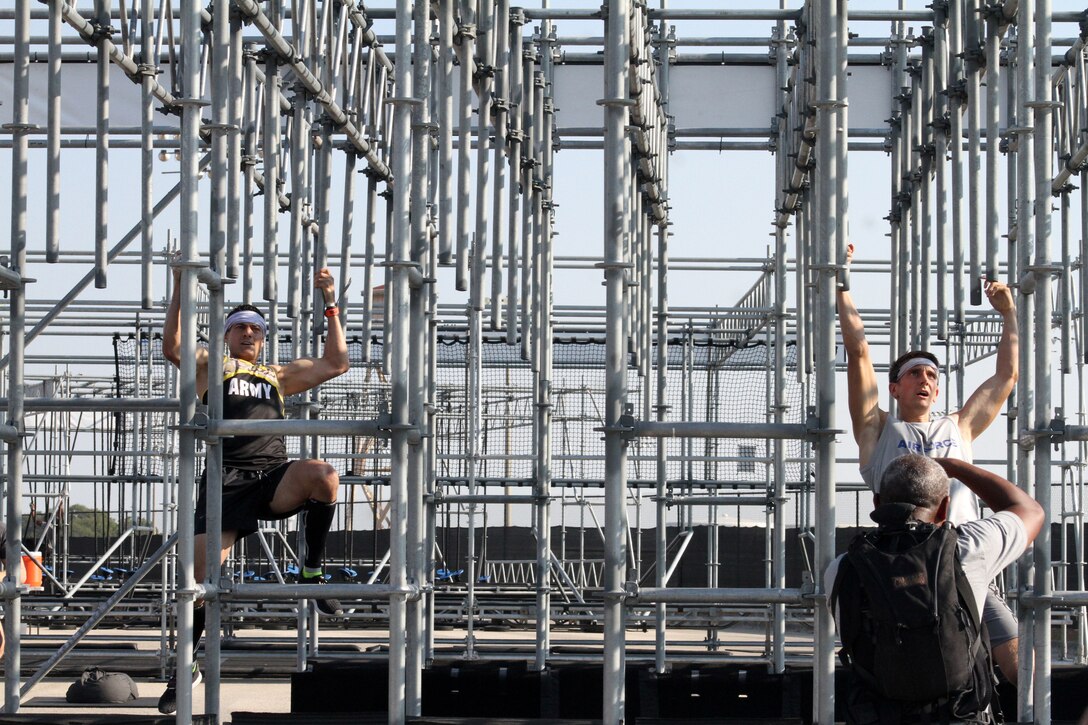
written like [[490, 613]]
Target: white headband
[[246, 317], [915, 362]]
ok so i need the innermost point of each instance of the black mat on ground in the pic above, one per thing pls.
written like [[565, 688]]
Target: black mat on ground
[[294, 718]]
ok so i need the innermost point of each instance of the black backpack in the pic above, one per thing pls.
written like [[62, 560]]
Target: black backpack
[[911, 632]]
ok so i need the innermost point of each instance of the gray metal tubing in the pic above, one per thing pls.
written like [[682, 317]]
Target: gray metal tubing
[[296, 592], [218, 59], [925, 104], [397, 333], [214, 483], [368, 263], [445, 499], [235, 118], [699, 595], [52, 174], [271, 161], [478, 256], [300, 199], [940, 89], [444, 85], [974, 151], [720, 429], [615, 102], [147, 156], [829, 91], [1043, 412], [500, 114], [418, 571], [232, 426], [99, 614], [661, 361], [187, 393], [289, 56], [17, 322], [1019, 264], [249, 152], [467, 34], [718, 501], [918, 278], [516, 94], [102, 155], [95, 404], [529, 131], [993, 123]]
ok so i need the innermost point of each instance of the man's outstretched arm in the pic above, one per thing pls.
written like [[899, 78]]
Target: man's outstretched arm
[[309, 372], [985, 403], [863, 390], [997, 493]]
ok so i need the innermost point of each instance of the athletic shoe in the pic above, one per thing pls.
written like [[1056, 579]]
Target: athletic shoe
[[168, 702], [329, 606]]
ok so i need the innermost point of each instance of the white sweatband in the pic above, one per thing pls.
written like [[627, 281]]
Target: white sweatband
[[915, 362], [248, 317]]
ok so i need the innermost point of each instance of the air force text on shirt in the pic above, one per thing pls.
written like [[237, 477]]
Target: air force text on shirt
[[252, 390], [928, 448]]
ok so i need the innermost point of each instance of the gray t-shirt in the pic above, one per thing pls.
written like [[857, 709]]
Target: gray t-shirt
[[939, 438], [986, 546]]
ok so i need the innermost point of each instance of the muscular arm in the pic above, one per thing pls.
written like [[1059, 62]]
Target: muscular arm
[[997, 493], [985, 403], [171, 336], [309, 372], [863, 390]]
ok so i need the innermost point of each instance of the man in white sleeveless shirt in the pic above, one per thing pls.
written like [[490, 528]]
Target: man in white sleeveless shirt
[[914, 384]]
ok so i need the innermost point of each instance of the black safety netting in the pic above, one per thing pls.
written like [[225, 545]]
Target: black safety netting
[[706, 380], [136, 439]]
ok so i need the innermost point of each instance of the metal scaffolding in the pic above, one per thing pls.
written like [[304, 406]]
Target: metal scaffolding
[[473, 387]]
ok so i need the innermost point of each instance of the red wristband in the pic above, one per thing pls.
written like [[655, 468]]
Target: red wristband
[[332, 311]]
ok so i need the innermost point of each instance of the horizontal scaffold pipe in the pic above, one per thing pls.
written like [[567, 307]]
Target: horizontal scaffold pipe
[[295, 592], [252, 11], [1070, 598], [697, 595], [717, 501], [105, 405], [236, 427], [495, 498], [720, 429]]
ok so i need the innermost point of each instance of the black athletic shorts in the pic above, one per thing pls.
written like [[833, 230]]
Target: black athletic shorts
[[246, 497]]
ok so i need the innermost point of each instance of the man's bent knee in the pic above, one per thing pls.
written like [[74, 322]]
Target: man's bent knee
[[326, 486]]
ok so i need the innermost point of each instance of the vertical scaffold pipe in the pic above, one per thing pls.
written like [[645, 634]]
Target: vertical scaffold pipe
[[466, 36], [220, 113], [368, 260], [919, 275], [485, 79], [1043, 310], [20, 115], [52, 154], [148, 70], [955, 98], [616, 104], [500, 113], [516, 94], [397, 332], [973, 52], [214, 501], [102, 143], [271, 166], [529, 133], [1025, 304], [234, 149], [418, 573], [830, 93], [187, 392], [940, 161], [444, 85], [300, 194], [993, 134], [544, 400], [778, 550], [249, 163], [925, 182]]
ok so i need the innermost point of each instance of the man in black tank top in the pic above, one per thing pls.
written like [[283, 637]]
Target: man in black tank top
[[259, 483]]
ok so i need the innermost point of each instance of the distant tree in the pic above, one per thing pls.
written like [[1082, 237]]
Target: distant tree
[[85, 521]]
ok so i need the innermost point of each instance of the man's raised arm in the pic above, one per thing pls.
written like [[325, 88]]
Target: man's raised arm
[[863, 390], [997, 493], [309, 372], [984, 405]]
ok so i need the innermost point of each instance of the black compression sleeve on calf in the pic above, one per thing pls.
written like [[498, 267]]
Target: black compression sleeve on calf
[[319, 515], [199, 616]]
